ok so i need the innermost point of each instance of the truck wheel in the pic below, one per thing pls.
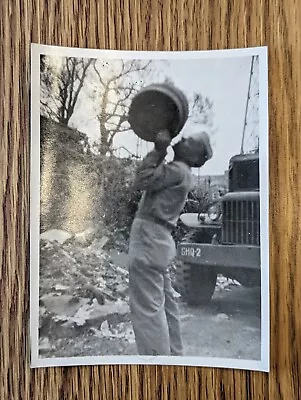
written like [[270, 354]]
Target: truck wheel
[[196, 283]]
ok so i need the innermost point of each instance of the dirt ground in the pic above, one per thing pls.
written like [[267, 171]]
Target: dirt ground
[[229, 327]]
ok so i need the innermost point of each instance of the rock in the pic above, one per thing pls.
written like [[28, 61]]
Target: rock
[[226, 284], [102, 242], [82, 315], [119, 259], [221, 317], [122, 288], [121, 271], [55, 235], [97, 245], [60, 287], [62, 305], [100, 282], [97, 294], [110, 308], [105, 329], [123, 330], [44, 344], [129, 335], [85, 313], [85, 237]]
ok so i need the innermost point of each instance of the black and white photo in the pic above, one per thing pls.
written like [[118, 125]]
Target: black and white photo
[[149, 208]]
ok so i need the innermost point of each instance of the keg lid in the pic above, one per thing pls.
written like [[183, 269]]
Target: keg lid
[[158, 107]]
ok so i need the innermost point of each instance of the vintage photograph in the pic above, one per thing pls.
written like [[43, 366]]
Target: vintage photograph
[[149, 208]]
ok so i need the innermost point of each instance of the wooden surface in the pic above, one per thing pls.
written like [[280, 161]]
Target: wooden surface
[[152, 25]]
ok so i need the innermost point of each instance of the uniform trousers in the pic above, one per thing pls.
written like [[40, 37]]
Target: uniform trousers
[[154, 310]]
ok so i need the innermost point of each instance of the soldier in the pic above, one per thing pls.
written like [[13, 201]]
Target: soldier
[[165, 185]]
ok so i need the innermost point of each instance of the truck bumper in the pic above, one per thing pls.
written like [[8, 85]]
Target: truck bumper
[[216, 255]]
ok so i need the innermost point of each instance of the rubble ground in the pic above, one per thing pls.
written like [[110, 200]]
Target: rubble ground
[[83, 299]]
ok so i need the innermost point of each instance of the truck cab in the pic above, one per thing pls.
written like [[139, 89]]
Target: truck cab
[[224, 240]]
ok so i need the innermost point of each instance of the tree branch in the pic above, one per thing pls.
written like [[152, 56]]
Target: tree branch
[[98, 75]]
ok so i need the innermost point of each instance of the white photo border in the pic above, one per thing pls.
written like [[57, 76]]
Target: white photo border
[[36, 361]]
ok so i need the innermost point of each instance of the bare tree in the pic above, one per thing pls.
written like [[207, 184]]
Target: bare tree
[[61, 83], [116, 83], [201, 110]]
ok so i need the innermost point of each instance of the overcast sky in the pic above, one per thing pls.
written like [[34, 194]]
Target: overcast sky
[[223, 80]]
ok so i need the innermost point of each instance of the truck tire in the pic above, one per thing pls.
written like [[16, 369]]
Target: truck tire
[[196, 283]]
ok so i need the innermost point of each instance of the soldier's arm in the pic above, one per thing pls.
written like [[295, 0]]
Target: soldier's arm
[[155, 175], [145, 172]]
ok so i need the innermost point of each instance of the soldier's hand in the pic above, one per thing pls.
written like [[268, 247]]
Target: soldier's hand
[[162, 140]]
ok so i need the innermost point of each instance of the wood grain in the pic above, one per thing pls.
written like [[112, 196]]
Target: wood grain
[[152, 25]]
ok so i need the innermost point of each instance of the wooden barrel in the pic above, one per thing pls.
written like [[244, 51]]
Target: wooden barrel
[[158, 107]]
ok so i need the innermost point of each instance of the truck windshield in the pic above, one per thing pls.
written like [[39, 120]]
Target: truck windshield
[[244, 175]]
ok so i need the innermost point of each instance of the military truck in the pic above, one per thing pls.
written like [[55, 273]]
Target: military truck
[[224, 240]]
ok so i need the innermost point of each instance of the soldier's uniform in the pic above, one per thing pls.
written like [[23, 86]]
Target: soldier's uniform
[[153, 307]]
